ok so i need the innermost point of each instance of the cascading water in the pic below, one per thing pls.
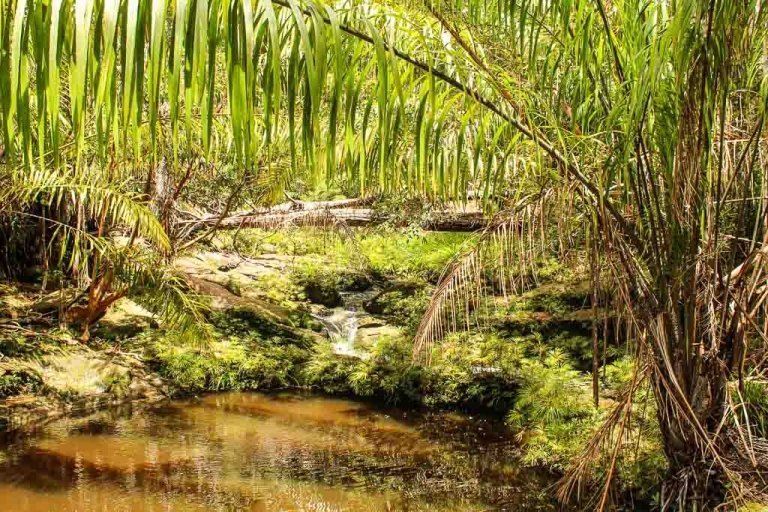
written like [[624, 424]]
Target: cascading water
[[342, 324]]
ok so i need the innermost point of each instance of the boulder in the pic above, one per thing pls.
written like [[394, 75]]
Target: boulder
[[378, 304], [319, 293], [13, 303], [368, 337]]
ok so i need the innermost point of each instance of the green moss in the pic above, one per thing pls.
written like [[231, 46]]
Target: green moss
[[478, 371], [245, 353], [248, 321], [388, 373], [116, 381], [457, 377], [320, 283], [18, 381], [403, 304], [16, 345], [279, 288], [381, 252], [234, 287], [229, 364], [329, 372]]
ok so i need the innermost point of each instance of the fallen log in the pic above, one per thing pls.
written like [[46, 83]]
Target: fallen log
[[323, 214]]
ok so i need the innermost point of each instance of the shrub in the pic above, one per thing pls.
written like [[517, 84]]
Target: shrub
[[229, 364], [755, 400], [17, 381]]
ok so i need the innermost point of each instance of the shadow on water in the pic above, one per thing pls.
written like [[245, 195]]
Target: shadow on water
[[249, 451]]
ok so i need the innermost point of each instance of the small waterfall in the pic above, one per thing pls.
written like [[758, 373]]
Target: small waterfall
[[341, 325]]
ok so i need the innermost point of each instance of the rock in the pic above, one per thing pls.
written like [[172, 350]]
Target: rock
[[369, 336], [320, 294], [356, 282], [369, 322], [15, 380], [268, 248], [378, 304], [234, 287], [125, 319], [52, 302], [227, 267], [139, 388], [79, 380], [10, 306], [220, 267]]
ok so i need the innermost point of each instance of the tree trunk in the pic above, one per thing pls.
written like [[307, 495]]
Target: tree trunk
[[689, 384], [693, 481], [324, 213]]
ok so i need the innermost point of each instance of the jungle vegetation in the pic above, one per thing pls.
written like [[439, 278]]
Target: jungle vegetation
[[626, 133]]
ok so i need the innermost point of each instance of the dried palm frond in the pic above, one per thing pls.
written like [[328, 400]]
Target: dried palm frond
[[502, 259], [612, 438]]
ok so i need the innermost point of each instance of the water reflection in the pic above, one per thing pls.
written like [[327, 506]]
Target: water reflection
[[249, 451]]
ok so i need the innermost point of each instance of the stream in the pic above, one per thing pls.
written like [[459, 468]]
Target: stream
[[341, 325], [268, 452]]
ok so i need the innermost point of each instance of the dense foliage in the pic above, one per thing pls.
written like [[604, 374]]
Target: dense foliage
[[624, 138]]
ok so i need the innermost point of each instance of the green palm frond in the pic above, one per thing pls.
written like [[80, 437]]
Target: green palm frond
[[158, 288], [502, 260], [103, 197], [275, 70]]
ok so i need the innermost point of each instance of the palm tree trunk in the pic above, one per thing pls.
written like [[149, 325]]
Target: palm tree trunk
[[689, 383]]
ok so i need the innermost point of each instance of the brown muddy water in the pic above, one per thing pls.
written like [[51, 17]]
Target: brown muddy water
[[256, 452]]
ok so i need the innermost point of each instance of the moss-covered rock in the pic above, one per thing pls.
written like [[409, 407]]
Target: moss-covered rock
[[124, 319], [17, 381], [72, 378], [402, 304], [325, 294], [383, 302], [233, 360]]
